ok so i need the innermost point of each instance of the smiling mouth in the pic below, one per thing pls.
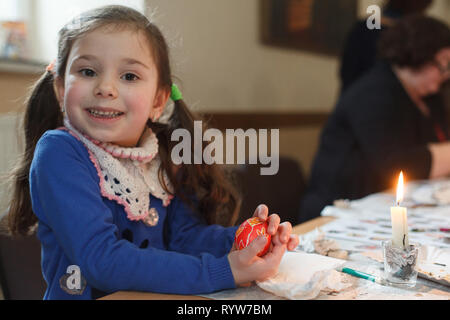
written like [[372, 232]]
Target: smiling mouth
[[104, 114]]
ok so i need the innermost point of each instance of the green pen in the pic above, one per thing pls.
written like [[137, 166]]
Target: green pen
[[363, 275]]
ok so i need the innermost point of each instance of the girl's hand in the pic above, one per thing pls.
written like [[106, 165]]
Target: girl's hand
[[247, 266], [280, 232]]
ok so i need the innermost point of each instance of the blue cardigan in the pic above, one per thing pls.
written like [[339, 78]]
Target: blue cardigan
[[78, 227]]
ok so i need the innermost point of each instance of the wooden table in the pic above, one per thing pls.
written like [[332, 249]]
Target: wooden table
[[132, 295]]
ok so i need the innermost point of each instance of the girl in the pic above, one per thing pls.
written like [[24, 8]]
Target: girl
[[113, 212]]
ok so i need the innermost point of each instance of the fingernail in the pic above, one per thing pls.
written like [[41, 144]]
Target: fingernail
[[260, 209]]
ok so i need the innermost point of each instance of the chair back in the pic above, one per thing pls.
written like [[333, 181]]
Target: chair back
[[20, 268], [280, 192]]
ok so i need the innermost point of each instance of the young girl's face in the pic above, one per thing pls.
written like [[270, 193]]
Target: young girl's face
[[110, 88]]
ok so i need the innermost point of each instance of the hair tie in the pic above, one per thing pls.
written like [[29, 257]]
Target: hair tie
[[175, 94], [51, 66]]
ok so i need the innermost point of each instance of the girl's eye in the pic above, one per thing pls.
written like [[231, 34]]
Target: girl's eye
[[87, 72], [130, 77]]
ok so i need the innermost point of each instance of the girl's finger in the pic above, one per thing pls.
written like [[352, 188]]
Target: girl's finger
[[293, 242], [285, 230], [245, 285], [262, 212], [255, 247], [276, 239], [274, 222], [274, 256]]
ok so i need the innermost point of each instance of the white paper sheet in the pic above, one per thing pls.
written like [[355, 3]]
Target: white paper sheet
[[304, 275], [368, 220]]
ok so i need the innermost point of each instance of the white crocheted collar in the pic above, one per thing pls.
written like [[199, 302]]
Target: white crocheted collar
[[128, 175], [144, 152]]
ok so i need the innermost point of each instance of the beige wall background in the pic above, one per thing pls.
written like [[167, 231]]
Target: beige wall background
[[217, 54], [223, 66], [13, 89]]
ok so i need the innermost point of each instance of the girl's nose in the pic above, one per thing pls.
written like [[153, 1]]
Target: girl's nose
[[105, 89]]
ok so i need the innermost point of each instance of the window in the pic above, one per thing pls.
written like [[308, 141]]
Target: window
[[13, 36], [51, 15], [13, 10]]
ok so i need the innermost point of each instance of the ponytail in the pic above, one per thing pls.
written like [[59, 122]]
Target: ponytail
[[42, 113], [217, 199]]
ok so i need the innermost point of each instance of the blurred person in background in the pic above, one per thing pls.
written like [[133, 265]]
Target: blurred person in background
[[383, 124], [360, 49]]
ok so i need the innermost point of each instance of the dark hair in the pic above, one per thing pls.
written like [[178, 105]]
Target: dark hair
[[408, 6], [414, 41], [216, 199]]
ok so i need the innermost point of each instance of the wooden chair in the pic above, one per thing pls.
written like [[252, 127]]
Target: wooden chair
[[280, 192], [20, 268]]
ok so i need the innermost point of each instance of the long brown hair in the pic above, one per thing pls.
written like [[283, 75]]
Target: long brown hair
[[215, 197]]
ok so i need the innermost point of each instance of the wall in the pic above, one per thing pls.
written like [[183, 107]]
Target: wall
[[224, 67], [13, 89], [439, 9], [50, 15]]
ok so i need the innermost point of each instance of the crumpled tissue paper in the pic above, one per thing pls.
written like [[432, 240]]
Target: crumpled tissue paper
[[304, 275]]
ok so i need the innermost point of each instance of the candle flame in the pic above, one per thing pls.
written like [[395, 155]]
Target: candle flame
[[400, 189]]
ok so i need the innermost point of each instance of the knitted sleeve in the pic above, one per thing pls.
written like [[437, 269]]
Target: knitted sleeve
[[187, 233]]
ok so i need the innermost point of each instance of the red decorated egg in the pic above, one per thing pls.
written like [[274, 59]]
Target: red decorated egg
[[248, 231]]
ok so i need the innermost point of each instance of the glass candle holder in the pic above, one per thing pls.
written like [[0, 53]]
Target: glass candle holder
[[400, 264]]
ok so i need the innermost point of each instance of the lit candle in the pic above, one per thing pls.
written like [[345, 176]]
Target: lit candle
[[399, 219]]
